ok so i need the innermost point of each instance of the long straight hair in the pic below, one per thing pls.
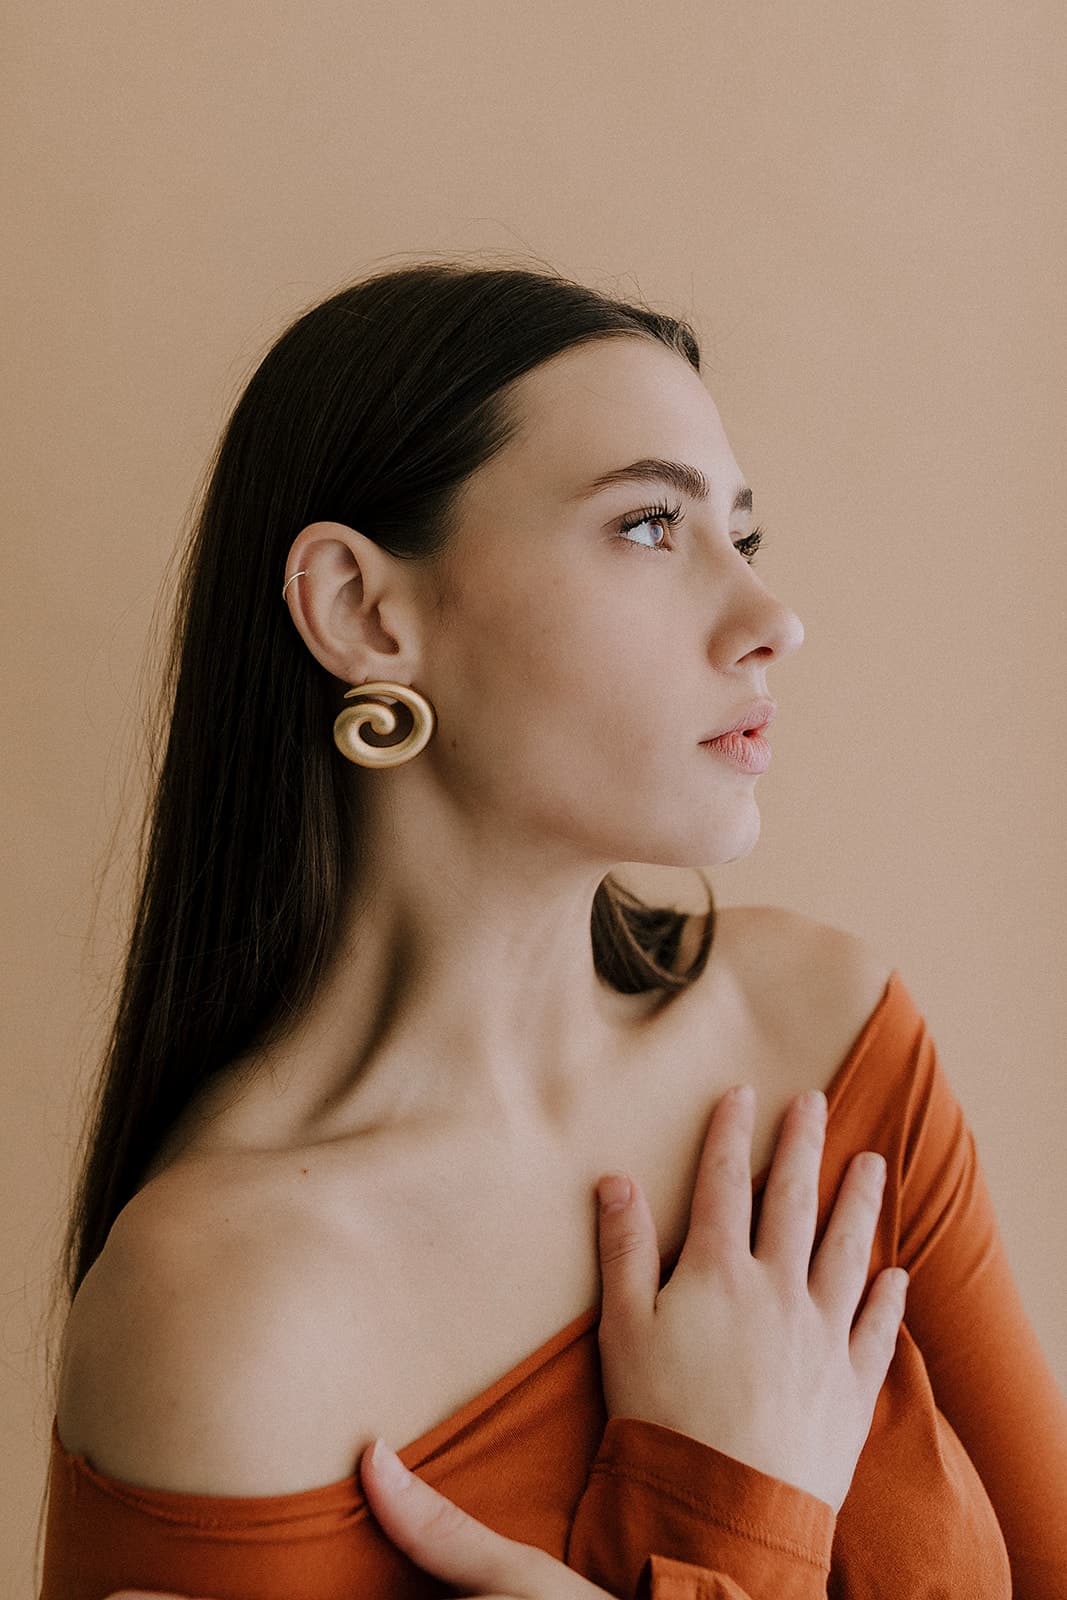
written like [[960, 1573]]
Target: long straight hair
[[372, 409]]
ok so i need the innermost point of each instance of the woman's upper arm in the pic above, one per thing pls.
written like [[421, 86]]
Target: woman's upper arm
[[987, 1370], [201, 1365]]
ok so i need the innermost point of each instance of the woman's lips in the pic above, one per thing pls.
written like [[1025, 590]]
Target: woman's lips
[[749, 751], [757, 715]]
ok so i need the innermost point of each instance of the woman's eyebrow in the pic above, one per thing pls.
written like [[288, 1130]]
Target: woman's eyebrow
[[679, 474]]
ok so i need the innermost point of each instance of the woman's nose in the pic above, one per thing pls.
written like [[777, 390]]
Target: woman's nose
[[763, 626], [786, 631]]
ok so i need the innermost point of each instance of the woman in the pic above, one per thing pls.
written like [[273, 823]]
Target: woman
[[386, 1020]]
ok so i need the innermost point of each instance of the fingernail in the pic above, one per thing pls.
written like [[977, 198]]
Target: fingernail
[[613, 1191], [387, 1463], [815, 1100]]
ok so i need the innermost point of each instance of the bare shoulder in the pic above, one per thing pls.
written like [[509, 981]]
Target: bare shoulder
[[810, 987], [188, 1353]]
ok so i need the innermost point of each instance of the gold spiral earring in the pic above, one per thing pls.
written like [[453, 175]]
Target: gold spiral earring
[[349, 724]]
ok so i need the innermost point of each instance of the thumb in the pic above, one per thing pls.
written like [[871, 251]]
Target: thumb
[[440, 1537], [629, 1250]]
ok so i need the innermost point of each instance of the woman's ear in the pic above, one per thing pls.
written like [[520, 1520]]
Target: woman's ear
[[353, 604]]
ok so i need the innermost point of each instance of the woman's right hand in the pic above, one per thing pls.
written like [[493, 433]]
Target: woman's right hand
[[747, 1350]]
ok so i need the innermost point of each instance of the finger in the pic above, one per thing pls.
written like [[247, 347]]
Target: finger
[[436, 1533], [842, 1261], [791, 1195], [443, 1539], [720, 1212], [629, 1251], [874, 1338]]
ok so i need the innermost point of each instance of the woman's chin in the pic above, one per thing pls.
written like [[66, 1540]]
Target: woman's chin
[[740, 842]]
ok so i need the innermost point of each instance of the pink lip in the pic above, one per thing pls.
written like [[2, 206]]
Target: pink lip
[[760, 714], [745, 750]]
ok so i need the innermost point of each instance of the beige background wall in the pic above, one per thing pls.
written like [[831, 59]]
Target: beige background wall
[[861, 211]]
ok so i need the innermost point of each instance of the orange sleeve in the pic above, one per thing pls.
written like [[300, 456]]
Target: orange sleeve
[[731, 1531], [987, 1370]]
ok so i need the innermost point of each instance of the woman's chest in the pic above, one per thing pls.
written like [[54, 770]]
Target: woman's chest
[[436, 1262], [471, 1251]]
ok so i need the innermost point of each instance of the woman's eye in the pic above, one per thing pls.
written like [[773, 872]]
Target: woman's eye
[[646, 522], [668, 516], [751, 544], [648, 518]]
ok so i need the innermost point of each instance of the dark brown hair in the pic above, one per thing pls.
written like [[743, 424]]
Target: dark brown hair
[[372, 409]]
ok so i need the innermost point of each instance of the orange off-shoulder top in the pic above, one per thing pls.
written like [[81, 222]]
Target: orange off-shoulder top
[[960, 1490]]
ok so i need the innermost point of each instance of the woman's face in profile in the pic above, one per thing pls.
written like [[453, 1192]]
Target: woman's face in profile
[[589, 660]]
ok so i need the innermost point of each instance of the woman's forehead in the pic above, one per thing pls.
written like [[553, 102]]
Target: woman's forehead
[[595, 412]]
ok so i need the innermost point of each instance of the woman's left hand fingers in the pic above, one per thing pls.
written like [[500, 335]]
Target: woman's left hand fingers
[[444, 1540]]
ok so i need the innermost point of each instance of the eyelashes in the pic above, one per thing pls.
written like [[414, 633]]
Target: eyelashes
[[671, 516]]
